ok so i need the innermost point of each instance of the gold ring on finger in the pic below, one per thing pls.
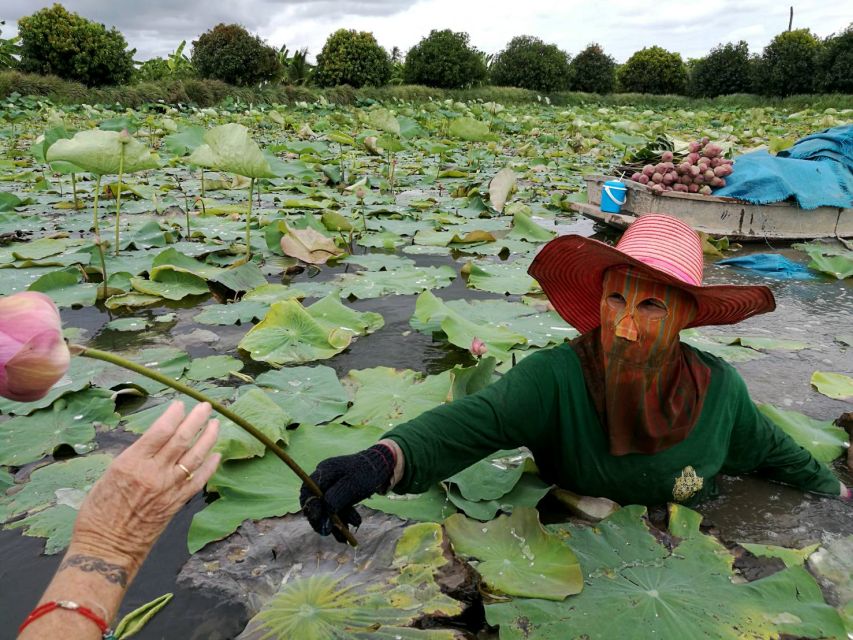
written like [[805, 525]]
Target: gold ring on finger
[[186, 471]]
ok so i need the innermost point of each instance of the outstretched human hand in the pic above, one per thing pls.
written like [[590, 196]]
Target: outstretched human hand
[[346, 481], [130, 506]]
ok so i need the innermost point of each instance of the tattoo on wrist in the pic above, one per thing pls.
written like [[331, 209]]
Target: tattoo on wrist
[[91, 564]]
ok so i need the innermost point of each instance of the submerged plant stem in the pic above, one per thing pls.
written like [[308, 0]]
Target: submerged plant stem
[[105, 356]]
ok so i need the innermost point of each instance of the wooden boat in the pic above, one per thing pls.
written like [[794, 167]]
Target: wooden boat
[[739, 220]]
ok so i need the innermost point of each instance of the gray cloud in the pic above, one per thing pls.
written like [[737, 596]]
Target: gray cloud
[[156, 27]]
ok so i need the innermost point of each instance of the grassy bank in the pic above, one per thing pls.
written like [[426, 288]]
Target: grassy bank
[[208, 93]]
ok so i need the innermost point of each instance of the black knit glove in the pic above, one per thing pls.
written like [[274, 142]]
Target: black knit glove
[[346, 481]]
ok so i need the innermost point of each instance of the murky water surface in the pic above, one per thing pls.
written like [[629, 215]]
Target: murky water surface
[[749, 509]]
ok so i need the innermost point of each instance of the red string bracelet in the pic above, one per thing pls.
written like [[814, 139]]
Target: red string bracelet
[[68, 605]]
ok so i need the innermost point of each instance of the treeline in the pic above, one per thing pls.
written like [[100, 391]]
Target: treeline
[[54, 41]]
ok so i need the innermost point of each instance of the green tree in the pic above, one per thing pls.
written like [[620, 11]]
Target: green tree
[[230, 53], [57, 42], [444, 59], [354, 58], [654, 70], [529, 63], [593, 71], [789, 64], [10, 50], [835, 63], [725, 70]]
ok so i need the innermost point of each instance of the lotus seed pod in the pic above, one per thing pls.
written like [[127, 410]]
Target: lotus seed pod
[[692, 188], [649, 170], [636, 176], [657, 178], [643, 179], [705, 190], [666, 156]]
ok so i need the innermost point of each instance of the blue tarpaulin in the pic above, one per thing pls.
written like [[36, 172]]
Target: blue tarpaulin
[[817, 171], [771, 264]]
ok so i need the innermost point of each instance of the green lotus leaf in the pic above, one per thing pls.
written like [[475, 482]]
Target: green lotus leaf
[[184, 141], [636, 587], [837, 263], [69, 421], [508, 278], [719, 347], [384, 120], [172, 285], [406, 281], [429, 506], [100, 152], [233, 150], [791, 557], [255, 406], [517, 556], [488, 479], [212, 367], [833, 385], [331, 312], [822, 439], [461, 329], [312, 395], [290, 334], [769, 344], [470, 130], [386, 397], [380, 261], [128, 324], [54, 523], [41, 248], [132, 300], [525, 228], [331, 606], [140, 421], [81, 372], [61, 485], [241, 312], [168, 361], [527, 493], [66, 289]]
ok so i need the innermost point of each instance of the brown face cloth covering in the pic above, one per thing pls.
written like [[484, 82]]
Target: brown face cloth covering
[[647, 388]]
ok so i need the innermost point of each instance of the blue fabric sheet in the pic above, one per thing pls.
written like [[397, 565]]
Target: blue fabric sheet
[[771, 264], [817, 171]]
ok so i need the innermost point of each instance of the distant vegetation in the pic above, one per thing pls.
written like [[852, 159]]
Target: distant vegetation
[[56, 42]]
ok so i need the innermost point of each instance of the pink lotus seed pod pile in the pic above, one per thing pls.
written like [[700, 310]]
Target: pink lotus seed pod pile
[[703, 168]]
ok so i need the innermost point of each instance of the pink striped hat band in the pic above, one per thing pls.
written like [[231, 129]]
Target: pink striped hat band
[[570, 269]]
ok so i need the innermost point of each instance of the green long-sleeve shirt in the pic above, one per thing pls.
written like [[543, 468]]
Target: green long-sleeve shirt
[[542, 403]]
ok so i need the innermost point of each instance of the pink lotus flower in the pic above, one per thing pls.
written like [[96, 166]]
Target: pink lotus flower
[[478, 347], [33, 354]]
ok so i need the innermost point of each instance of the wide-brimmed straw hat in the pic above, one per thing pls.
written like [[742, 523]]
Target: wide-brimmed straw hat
[[570, 269]]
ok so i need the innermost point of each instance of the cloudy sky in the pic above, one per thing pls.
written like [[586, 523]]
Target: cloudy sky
[[155, 27]]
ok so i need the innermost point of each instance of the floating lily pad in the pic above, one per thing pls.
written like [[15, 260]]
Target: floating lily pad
[[633, 582], [517, 556], [256, 407], [40, 498], [822, 439], [406, 281], [66, 289], [525, 228], [833, 385], [309, 394], [386, 397], [212, 367], [509, 278], [69, 421], [128, 324]]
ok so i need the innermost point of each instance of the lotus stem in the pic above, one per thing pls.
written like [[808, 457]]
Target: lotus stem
[[118, 196], [202, 182], [74, 189], [98, 238], [249, 221], [104, 356]]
